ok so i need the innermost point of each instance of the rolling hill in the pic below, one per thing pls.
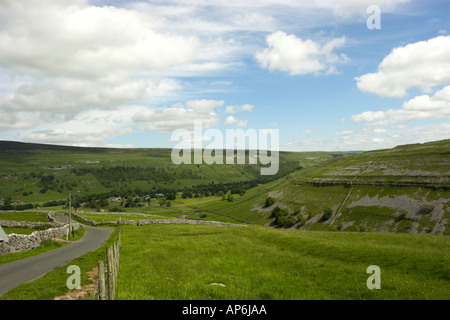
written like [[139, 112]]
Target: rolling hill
[[404, 189], [39, 172]]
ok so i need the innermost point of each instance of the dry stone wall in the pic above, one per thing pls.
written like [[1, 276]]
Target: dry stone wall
[[94, 223], [22, 242], [214, 223]]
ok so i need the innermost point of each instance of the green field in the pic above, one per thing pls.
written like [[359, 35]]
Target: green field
[[388, 208], [263, 264]]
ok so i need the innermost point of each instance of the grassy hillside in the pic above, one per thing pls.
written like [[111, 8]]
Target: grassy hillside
[[190, 261], [37, 172], [405, 189], [263, 263]]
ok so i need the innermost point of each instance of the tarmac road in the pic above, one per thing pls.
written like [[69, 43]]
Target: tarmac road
[[26, 270]]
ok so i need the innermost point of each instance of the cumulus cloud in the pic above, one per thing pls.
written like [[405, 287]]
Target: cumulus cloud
[[235, 109], [242, 123], [18, 120], [78, 59], [419, 108], [368, 139], [424, 64], [72, 95], [296, 56], [57, 38], [81, 66], [88, 127], [344, 132], [230, 120], [179, 116]]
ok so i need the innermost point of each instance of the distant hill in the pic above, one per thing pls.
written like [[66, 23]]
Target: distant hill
[[50, 172]]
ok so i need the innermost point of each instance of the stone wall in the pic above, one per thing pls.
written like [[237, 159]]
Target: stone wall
[[214, 223], [26, 224], [94, 223], [22, 242]]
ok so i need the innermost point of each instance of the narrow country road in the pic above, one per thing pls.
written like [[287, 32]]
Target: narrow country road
[[15, 273]]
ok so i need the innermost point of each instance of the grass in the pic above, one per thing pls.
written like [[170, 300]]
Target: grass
[[165, 262], [261, 263], [20, 230], [54, 283], [115, 217], [24, 216]]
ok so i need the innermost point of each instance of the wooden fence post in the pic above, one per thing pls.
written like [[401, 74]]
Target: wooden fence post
[[111, 281], [114, 248], [101, 280]]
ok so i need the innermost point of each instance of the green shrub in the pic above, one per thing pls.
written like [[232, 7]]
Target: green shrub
[[426, 209], [269, 202], [302, 220], [285, 222], [326, 214]]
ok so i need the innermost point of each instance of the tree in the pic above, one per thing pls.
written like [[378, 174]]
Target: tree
[[326, 214], [269, 202]]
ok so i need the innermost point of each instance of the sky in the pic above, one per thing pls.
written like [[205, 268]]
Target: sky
[[328, 75]]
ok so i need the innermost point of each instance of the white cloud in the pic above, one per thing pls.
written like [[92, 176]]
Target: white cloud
[[53, 38], [377, 140], [17, 120], [230, 120], [72, 95], [342, 8], [424, 64], [418, 108], [366, 139], [91, 127], [296, 56], [235, 109], [344, 132], [242, 123], [179, 116]]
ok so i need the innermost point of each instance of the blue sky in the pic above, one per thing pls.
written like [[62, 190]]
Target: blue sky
[[129, 73]]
